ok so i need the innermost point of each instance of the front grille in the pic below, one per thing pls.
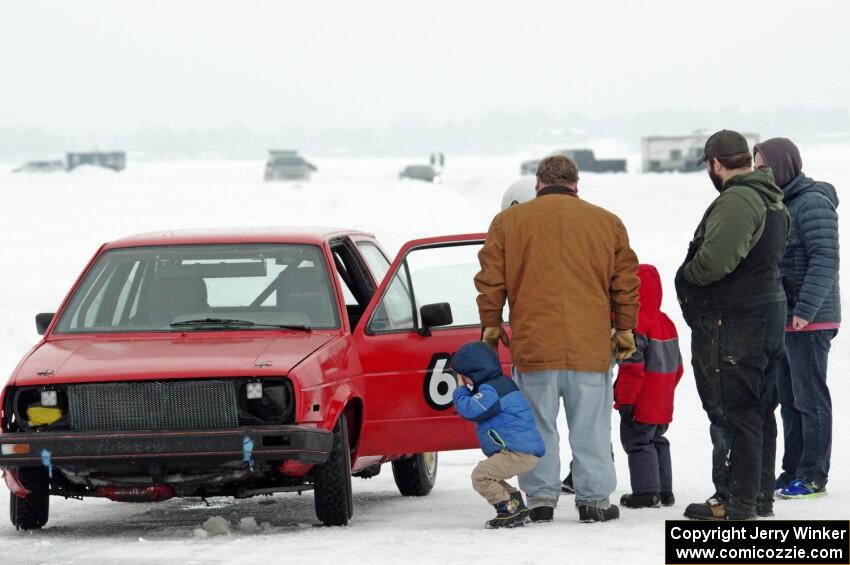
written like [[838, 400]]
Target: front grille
[[170, 405]]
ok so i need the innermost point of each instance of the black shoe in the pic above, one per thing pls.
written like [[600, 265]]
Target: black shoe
[[523, 509], [589, 512], [567, 484], [667, 498], [645, 500], [712, 509], [541, 514], [507, 516], [764, 509]]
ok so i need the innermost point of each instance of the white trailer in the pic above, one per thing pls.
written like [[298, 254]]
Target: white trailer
[[669, 153]]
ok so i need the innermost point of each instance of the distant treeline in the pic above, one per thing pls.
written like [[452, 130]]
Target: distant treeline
[[497, 133]]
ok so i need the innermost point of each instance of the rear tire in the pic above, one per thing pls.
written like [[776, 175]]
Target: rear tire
[[332, 490], [31, 513], [416, 475]]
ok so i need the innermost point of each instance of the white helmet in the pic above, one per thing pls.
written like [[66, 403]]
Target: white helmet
[[519, 192]]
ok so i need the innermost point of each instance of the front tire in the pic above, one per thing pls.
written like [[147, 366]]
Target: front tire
[[332, 490], [416, 475], [31, 513]]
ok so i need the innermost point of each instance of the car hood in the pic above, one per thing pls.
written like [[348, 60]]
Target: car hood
[[94, 359]]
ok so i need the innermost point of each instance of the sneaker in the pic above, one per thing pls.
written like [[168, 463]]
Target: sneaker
[[567, 484], [591, 512], [667, 498], [802, 489], [541, 514], [523, 509], [508, 515], [711, 509], [645, 500]]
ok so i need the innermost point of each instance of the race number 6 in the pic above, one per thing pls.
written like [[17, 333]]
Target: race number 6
[[439, 385]]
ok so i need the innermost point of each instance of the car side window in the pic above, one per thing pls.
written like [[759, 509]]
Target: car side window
[[445, 274], [375, 259], [428, 275], [395, 311]]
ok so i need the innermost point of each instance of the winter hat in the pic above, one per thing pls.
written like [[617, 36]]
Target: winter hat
[[478, 361], [783, 157]]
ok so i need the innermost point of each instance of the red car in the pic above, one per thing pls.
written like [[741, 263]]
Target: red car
[[242, 363]]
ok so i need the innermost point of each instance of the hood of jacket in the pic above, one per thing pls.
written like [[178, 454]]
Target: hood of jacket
[[650, 288], [760, 180], [478, 361], [783, 158], [803, 183]]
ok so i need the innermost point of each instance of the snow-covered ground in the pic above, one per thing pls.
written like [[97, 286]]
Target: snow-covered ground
[[51, 224]]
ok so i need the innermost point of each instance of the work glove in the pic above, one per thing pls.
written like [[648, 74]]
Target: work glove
[[627, 414], [623, 344], [493, 335]]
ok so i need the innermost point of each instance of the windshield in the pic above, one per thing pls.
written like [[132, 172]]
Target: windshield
[[160, 288]]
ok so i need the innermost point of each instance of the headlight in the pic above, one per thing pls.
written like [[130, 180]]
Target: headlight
[[254, 391], [49, 398]]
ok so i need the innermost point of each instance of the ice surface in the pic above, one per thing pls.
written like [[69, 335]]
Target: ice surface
[[216, 525], [52, 224]]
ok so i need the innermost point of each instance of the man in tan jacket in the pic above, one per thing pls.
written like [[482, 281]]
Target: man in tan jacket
[[563, 265]]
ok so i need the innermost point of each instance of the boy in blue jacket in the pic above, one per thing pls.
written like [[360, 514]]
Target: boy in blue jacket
[[505, 427]]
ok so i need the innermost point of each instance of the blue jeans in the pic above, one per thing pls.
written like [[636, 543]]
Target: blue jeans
[[588, 399], [806, 407]]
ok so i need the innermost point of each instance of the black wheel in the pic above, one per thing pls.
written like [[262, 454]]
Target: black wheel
[[416, 475], [332, 490], [31, 513]]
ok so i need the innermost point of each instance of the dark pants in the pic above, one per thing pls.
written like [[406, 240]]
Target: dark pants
[[806, 407], [650, 468], [736, 359]]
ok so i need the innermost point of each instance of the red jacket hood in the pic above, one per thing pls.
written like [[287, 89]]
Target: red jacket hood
[[165, 356], [650, 288]]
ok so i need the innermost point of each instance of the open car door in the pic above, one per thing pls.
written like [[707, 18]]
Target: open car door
[[422, 313]]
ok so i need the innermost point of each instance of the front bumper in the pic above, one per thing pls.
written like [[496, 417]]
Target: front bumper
[[195, 448]]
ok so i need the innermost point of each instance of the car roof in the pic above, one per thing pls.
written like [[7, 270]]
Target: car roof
[[308, 235]]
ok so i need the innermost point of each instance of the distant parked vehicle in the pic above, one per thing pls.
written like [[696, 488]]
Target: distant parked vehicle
[[288, 165], [115, 160], [41, 166], [584, 158], [677, 153], [420, 172]]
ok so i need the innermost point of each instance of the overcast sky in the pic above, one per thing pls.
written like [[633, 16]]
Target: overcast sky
[[115, 65]]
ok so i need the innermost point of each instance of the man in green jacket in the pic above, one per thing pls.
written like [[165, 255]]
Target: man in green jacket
[[731, 295]]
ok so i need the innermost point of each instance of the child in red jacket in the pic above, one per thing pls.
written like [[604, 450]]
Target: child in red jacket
[[643, 394]]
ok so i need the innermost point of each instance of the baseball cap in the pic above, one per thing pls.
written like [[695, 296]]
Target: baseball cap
[[722, 144]]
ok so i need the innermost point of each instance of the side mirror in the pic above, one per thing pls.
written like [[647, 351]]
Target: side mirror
[[435, 315], [42, 322]]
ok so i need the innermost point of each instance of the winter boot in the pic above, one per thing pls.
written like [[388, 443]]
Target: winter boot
[[541, 514], [644, 500], [667, 498], [523, 509], [567, 484], [507, 516], [764, 509], [592, 512], [711, 509]]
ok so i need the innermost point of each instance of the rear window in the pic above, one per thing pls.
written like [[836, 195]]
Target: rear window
[[151, 288]]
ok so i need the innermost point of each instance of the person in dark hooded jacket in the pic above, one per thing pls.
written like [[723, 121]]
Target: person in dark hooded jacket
[[505, 427], [810, 277]]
